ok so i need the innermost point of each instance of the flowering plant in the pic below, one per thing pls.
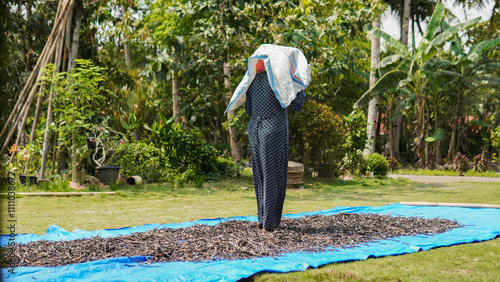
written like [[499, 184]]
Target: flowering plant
[[26, 159]]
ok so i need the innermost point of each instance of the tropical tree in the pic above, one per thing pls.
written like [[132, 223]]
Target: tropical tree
[[467, 72], [411, 70]]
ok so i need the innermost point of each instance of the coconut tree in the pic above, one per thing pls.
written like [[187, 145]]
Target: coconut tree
[[411, 70]]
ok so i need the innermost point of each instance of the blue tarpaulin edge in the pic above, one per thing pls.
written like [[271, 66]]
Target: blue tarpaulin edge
[[480, 224]]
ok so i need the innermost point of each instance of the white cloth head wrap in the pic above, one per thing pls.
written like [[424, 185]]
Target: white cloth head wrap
[[287, 71]]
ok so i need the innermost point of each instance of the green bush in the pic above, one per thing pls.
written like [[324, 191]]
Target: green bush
[[144, 160], [377, 163], [316, 136], [356, 134], [354, 162], [185, 149]]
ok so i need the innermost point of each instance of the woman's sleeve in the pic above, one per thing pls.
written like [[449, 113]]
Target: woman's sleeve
[[248, 104], [298, 102]]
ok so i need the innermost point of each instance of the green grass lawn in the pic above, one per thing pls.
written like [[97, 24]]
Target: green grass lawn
[[152, 203]]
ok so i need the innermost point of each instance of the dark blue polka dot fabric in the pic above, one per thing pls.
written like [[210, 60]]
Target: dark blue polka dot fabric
[[268, 135]]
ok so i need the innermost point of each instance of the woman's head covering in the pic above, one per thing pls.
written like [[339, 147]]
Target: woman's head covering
[[287, 70]]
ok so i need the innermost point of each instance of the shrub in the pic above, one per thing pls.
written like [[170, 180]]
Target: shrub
[[144, 160], [393, 163], [461, 163], [481, 162], [356, 134], [316, 136], [188, 150], [354, 162], [377, 163]]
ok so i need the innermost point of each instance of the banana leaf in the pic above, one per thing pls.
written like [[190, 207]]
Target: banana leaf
[[432, 27], [368, 28], [476, 51], [387, 81], [435, 137]]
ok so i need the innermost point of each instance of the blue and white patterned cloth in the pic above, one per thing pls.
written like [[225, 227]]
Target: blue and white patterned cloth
[[268, 135], [287, 71]]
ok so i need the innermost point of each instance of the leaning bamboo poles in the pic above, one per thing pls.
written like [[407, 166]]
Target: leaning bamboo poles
[[19, 114]]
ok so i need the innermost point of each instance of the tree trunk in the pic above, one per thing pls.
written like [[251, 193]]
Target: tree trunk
[[439, 157], [128, 55], [175, 97], [391, 130], [233, 141], [405, 27], [73, 52], [37, 113], [420, 132], [62, 157], [29, 54], [405, 22], [452, 149], [74, 159], [372, 106]]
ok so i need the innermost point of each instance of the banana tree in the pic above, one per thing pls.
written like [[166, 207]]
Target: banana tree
[[466, 71], [411, 70]]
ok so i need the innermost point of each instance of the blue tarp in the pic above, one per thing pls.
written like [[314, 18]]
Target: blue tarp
[[479, 224]]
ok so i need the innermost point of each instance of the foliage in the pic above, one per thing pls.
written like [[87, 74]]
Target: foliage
[[461, 163], [393, 163], [196, 39], [186, 151], [481, 162], [377, 163], [495, 139], [144, 160], [354, 162], [412, 69], [317, 136], [354, 141], [4, 165], [80, 98], [29, 158], [356, 134], [79, 95]]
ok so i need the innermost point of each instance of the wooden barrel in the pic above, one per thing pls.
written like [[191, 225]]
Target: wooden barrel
[[295, 173]]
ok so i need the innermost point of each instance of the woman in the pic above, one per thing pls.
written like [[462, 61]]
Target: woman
[[275, 84]]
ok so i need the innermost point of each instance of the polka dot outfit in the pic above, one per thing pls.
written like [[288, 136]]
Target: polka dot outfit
[[268, 135]]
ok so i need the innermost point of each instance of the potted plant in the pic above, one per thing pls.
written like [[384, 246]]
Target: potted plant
[[105, 140]]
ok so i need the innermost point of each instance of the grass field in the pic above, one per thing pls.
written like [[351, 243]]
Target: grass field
[[151, 203]]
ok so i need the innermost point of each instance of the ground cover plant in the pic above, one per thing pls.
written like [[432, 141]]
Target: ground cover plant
[[155, 203]]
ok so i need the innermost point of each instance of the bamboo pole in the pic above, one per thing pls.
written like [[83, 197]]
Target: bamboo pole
[[24, 109], [46, 139], [26, 97], [24, 113], [39, 103]]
